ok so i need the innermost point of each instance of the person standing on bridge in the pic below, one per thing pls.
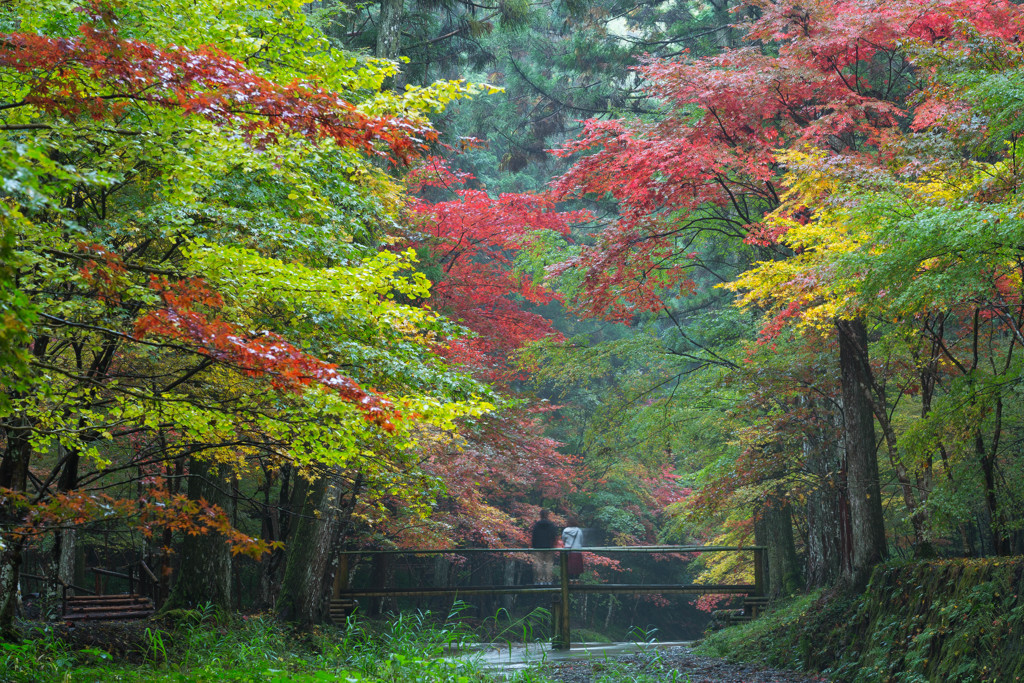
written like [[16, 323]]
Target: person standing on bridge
[[572, 538], [544, 535]]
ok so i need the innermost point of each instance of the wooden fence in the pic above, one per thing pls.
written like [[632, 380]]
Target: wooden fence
[[345, 596]]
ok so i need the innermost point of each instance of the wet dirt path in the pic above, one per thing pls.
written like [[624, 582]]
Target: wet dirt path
[[587, 663]]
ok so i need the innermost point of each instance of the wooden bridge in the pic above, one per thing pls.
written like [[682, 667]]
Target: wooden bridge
[[345, 597]]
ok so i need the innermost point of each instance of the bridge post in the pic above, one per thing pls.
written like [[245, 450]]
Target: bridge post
[[760, 586], [563, 637], [340, 577]]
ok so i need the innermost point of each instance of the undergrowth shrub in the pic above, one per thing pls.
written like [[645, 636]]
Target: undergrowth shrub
[[44, 657]]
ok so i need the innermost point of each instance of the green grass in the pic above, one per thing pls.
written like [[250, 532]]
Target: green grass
[[748, 642], [409, 648], [586, 635], [207, 646]]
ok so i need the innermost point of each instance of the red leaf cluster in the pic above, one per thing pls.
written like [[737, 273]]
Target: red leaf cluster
[[156, 510], [100, 75], [103, 270], [475, 239], [255, 353]]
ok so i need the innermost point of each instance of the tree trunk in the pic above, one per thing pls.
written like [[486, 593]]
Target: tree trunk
[[774, 528], [64, 550], [382, 574], [986, 459], [510, 578], [276, 525], [866, 521], [389, 28], [309, 555], [725, 35], [916, 510], [341, 532], [173, 481], [10, 566], [204, 574], [67, 557], [823, 457], [14, 476], [389, 35]]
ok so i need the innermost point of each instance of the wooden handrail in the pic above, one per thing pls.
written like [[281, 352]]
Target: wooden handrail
[[594, 549], [47, 579], [107, 572], [554, 589], [149, 572]]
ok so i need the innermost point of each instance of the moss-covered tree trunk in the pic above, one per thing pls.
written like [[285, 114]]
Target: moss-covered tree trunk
[[204, 572], [994, 516], [725, 34], [10, 573], [309, 554], [865, 498], [342, 531], [774, 528]]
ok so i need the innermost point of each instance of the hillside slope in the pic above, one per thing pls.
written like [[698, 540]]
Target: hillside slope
[[942, 621]]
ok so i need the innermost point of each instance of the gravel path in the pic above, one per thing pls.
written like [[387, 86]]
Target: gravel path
[[660, 665]]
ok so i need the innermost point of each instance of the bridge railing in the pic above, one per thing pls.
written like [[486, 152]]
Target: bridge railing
[[560, 591]]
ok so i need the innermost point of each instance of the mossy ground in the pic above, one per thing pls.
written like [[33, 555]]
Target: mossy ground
[[940, 621]]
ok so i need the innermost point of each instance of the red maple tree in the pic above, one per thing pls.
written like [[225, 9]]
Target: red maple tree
[[474, 238], [838, 80]]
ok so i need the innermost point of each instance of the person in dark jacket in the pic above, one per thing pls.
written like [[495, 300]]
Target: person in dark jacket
[[544, 535]]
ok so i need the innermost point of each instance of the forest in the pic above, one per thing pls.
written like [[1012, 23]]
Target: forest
[[284, 282]]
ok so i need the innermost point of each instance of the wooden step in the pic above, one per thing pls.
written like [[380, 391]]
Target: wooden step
[[109, 596], [119, 607], [729, 617], [104, 598], [116, 615], [340, 608], [111, 601], [109, 608]]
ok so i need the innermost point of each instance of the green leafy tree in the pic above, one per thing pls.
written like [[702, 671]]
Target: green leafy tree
[[198, 206]]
